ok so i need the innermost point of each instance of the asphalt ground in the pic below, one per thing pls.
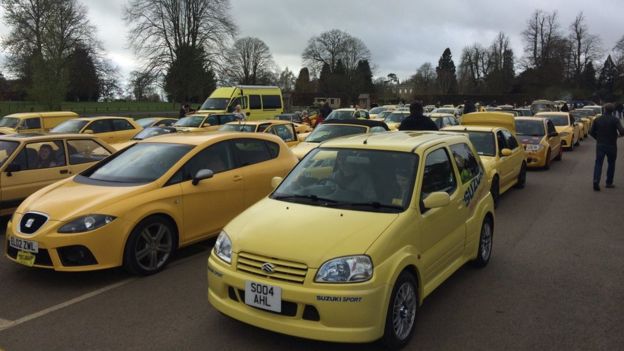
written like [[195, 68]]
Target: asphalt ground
[[555, 282]]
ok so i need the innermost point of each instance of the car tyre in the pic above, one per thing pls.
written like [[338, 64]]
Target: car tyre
[[150, 246], [401, 314], [521, 177], [495, 190], [547, 162], [484, 252]]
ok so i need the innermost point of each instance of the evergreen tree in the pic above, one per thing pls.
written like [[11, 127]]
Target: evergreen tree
[[339, 81], [302, 84], [324, 80], [588, 78], [446, 78], [607, 79], [189, 78], [83, 80]]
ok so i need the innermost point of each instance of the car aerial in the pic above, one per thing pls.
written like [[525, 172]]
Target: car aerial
[[564, 124], [347, 113], [524, 112], [135, 208], [369, 226], [203, 123], [492, 134], [33, 122], [443, 119], [156, 122], [148, 132], [540, 139], [287, 131], [29, 162], [335, 129], [109, 129], [394, 119]]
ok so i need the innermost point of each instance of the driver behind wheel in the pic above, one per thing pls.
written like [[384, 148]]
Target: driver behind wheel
[[352, 176]]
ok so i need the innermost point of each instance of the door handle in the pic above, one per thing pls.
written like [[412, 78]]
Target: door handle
[[64, 171], [237, 178]]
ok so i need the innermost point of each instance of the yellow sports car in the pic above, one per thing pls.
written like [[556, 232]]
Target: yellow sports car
[[109, 129], [203, 122], [156, 122], [492, 134], [569, 131], [283, 129], [148, 132], [349, 252], [584, 116], [136, 207], [540, 139], [31, 162], [334, 129], [394, 119]]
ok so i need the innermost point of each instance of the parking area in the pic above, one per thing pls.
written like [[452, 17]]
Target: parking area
[[556, 281]]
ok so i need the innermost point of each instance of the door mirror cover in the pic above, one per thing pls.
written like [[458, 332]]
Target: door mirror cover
[[436, 200], [13, 167], [201, 175], [506, 152]]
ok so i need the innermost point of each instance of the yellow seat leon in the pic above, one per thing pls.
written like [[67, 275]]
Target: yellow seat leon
[[493, 135], [337, 254], [136, 207], [286, 130], [569, 131], [109, 129], [541, 141]]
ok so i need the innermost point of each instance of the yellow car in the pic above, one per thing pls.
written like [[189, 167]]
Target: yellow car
[[148, 132], [540, 139], [493, 135], [203, 123], [136, 207], [569, 131], [443, 119], [394, 119], [287, 131], [343, 254], [33, 122], [334, 129], [156, 122], [109, 129], [585, 116], [30, 162]]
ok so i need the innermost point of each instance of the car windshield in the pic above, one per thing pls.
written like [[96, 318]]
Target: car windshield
[[483, 142], [152, 132], [6, 150], [9, 122], [354, 179], [439, 121], [395, 117], [384, 114], [140, 163], [71, 126], [557, 120], [238, 127], [329, 131], [341, 114], [530, 128], [190, 121], [444, 110], [376, 110], [582, 113], [215, 104], [145, 122]]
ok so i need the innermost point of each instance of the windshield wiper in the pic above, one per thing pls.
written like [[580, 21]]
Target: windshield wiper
[[305, 197], [373, 204]]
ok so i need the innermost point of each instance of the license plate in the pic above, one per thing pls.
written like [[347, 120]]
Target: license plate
[[25, 258], [24, 245], [266, 297]]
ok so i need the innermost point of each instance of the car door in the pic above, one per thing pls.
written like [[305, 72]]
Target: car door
[[442, 230], [504, 165], [40, 164], [103, 129], [553, 141], [123, 130], [211, 203], [83, 153], [514, 162]]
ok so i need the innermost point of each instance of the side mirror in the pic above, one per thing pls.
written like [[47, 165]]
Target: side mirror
[[201, 175], [13, 167], [437, 199], [553, 134], [276, 181], [88, 131], [506, 152]]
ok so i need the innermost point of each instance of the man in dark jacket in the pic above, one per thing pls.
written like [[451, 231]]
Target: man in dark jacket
[[605, 130], [416, 120]]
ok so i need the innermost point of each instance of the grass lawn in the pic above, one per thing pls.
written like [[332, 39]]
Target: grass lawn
[[8, 107]]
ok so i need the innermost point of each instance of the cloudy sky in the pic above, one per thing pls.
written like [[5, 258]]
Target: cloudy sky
[[401, 34]]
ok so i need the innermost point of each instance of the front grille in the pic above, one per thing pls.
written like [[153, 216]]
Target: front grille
[[31, 222], [42, 258], [286, 271]]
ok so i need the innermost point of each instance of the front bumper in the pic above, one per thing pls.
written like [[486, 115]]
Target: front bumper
[[327, 312], [567, 141], [536, 159]]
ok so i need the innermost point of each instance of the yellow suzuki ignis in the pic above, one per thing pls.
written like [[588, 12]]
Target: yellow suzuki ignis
[[137, 206], [350, 244]]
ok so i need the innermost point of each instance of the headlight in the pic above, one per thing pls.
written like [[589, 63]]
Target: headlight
[[533, 147], [351, 269], [223, 247], [86, 223]]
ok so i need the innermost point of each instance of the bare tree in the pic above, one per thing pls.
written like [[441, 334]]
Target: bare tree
[[425, 79], [249, 62], [334, 45], [142, 84], [541, 38], [159, 28], [585, 47]]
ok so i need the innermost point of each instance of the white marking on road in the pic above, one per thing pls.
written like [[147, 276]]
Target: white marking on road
[[62, 305], [4, 322]]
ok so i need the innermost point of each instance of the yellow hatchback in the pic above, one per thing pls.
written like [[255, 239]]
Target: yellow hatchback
[[286, 130], [569, 131], [540, 139], [139, 205], [350, 244], [109, 129]]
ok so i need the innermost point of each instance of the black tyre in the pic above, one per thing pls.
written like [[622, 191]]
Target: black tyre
[[150, 246], [485, 244], [401, 314], [495, 190], [560, 155], [521, 177], [547, 164]]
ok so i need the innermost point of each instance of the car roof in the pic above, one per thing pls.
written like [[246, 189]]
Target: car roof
[[440, 115], [531, 119], [46, 113], [264, 121], [95, 118], [361, 122], [205, 137], [41, 136], [545, 113], [405, 141], [464, 128]]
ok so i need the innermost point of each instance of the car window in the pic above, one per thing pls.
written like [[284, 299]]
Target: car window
[[466, 162], [551, 127], [263, 127], [284, 131], [254, 102], [32, 123], [121, 124], [100, 126], [438, 175], [271, 102], [217, 158], [510, 140], [241, 100], [211, 121], [227, 119], [7, 148], [500, 139], [84, 150], [251, 151], [41, 155], [166, 122]]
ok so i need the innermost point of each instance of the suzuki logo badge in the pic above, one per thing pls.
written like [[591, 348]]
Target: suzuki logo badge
[[269, 268]]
